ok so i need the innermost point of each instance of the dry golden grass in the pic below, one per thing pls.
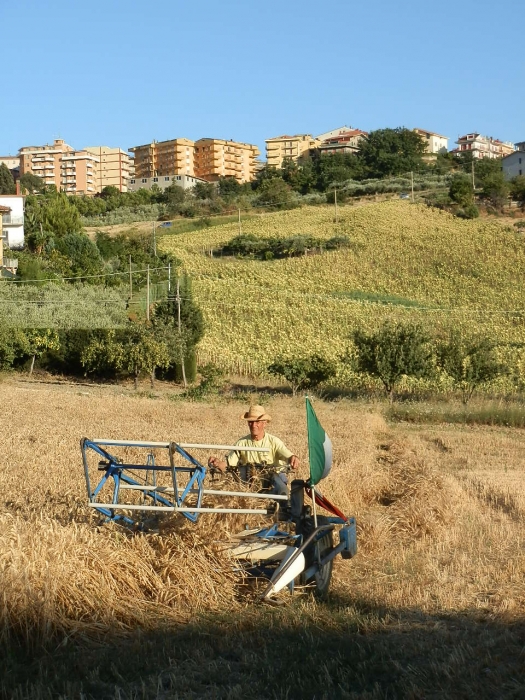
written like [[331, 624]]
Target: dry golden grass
[[440, 514]]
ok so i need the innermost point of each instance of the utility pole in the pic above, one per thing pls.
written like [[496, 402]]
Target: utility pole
[[473, 179], [178, 300], [240, 227], [169, 278], [147, 296], [412, 184], [130, 279], [335, 201], [154, 239]]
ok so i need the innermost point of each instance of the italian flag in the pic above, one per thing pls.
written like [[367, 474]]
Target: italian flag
[[319, 447]]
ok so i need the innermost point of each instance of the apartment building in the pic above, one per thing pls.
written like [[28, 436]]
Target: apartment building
[[215, 158], [435, 143], [342, 140], [73, 172], [161, 158], [114, 166], [8, 266], [483, 146], [281, 147]]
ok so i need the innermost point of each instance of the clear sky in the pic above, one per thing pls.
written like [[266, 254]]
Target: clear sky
[[124, 72]]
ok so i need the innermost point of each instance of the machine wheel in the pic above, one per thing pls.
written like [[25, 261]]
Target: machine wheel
[[323, 577]]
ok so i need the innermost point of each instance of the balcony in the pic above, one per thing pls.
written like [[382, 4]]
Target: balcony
[[9, 220]]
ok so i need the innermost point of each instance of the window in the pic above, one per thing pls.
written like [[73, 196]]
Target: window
[[179, 177], [144, 179], [155, 179], [167, 178]]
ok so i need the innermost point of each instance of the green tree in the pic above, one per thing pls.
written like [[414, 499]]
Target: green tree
[[83, 254], [184, 336], [36, 342], [394, 351], [7, 183], [303, 373], [275, 193], [469, 362], [517, 188], [461, 190], [204, 190], [32, 184], [142, 353], [496, 189], [387, 152], [228, 188]]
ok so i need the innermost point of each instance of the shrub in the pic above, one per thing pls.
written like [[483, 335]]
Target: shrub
[[303, 373]]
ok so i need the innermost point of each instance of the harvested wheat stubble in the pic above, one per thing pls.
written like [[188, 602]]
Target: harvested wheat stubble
[[423, 542]]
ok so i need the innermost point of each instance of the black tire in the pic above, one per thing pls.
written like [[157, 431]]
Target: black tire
[[323, 577]]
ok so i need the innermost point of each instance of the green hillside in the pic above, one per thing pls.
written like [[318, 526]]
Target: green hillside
[[405, 262]]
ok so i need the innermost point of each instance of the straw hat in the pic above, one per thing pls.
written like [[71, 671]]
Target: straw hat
[[256, 412]]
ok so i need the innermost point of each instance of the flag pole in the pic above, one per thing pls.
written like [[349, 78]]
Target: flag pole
[[314, 508]]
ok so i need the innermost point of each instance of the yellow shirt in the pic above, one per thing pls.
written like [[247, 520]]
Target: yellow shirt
[[277, 456]]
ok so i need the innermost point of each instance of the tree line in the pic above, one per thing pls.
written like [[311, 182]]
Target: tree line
[[398, 350]]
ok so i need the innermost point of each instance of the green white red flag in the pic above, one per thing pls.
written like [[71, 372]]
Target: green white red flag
[[319, 447]]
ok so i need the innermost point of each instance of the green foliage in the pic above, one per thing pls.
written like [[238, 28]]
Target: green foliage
[[82, 253], [133, 351], [461, 190], [12, 342], [496, 189], [7, 183], [205, 190], [303, 373], [394, 351], [32, 184], [517, 188], [60, 306], [469, 362], [469, 212], [391, 152], [275, 193], [250, 246], [211, 382]]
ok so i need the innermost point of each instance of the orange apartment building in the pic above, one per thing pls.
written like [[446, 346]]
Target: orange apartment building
[[114, 167], [215, 158], [173, 157], [207, 159], [281, 147], [73, 172]]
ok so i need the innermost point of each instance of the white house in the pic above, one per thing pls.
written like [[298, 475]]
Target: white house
[[435, 143], [514, 164], [13, 223], [163, 181]]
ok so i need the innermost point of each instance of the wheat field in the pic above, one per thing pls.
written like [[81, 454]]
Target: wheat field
[[433, 603]]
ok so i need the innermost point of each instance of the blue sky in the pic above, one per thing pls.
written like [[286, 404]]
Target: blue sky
[[117, 73]]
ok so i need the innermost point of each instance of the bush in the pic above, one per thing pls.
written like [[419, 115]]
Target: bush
[[303, 373], [469, 212]]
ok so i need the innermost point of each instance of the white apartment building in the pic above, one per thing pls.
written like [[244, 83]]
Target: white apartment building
[[483, 146]]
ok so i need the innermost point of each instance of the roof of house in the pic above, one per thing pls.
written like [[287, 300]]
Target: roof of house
[[4, 210], [432, 133]]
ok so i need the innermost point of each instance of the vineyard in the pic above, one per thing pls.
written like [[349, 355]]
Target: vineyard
[[404, 262]]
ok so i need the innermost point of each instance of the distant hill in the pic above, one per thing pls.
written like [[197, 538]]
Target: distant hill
[[405, 261]]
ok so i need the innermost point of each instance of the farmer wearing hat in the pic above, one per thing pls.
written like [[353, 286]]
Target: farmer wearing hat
[[273, 463]]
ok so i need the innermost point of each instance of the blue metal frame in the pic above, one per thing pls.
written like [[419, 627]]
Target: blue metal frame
[[116, 470]]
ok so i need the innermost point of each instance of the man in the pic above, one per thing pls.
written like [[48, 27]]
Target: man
[[275, 460]]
